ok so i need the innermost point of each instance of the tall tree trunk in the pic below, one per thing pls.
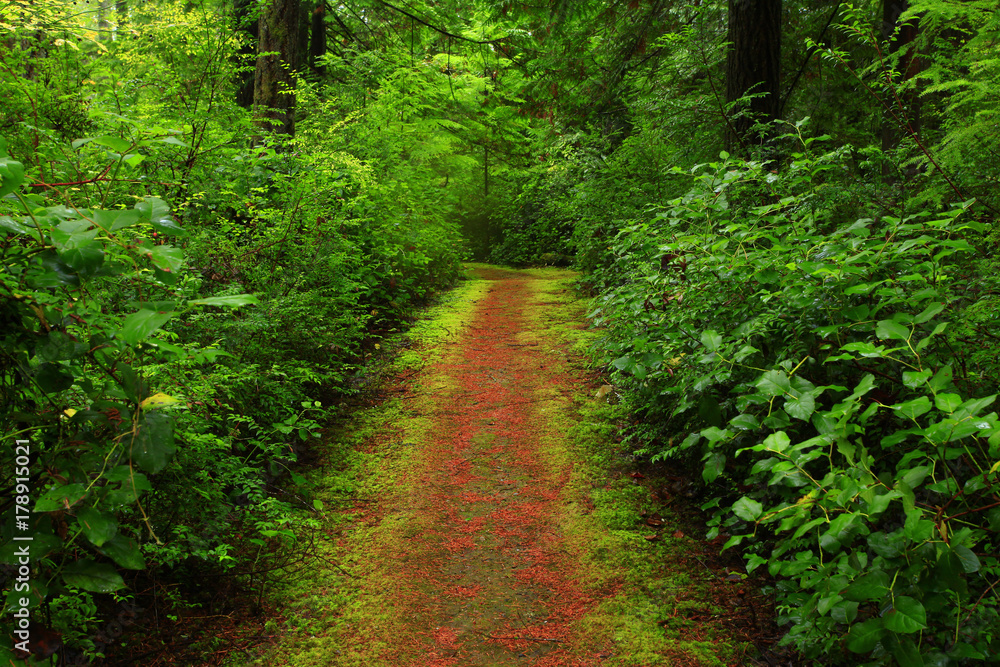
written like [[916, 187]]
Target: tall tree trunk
[[317, 45], [906, 106], [274, 85], [753, 66]]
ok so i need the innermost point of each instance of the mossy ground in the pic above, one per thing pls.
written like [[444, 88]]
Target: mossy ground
[[407, 570]]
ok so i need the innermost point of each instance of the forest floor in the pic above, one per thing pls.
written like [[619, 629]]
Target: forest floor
[[487, 517]]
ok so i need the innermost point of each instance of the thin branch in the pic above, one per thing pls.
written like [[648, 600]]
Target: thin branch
[[809, 55], [437, 29]]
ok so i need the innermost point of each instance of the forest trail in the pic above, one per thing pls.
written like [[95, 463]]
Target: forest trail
[[487, 517], [485, 572]]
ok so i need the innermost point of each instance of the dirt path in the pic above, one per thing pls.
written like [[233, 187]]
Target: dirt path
[[488, 519], [486, 575]]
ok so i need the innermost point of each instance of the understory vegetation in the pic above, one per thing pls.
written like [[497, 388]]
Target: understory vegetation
[[797, 304]]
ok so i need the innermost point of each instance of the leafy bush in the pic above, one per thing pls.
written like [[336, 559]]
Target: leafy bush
[[805, 360]]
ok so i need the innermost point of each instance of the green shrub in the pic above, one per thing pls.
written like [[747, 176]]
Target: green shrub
[[804, 361]]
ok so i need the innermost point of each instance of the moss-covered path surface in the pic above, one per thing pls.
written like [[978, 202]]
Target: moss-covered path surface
[[486, 572], [478, 530]]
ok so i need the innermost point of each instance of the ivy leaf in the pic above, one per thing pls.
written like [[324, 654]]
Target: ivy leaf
[[93, 577], [907, 615]]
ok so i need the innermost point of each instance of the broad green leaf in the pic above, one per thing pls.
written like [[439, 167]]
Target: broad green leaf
[[60, 498], [774, 383], [53, 377], [913, 409], [947, 402], [863, 637], [928, 312], [845, 612], [85, 259], [904, 650], [124, 551], [906, 616], [621, 363], [153, 446], [97, 526], [115, 220], [167, 258], [914, 379], [11, 225], [889, 329], [970, 561], [873, 586], [157, 213], [250, 299], [92, 576], [777, 442], [744, 422], [715, 463], [142, 323], [801, 407], [11, 175], [942, 379], [117, 144], [747, 509], [711, 340]]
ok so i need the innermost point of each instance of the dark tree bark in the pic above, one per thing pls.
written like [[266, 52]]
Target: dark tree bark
[[246, 23], [317, 43], [906, 107], [277, 59], [753, 66]]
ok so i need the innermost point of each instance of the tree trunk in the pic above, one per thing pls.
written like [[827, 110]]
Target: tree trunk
[[246, 23], [753, 66], [274, 85], [317, 45]]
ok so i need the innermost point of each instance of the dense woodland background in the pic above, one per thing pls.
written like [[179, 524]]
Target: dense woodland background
[[214, 213]]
